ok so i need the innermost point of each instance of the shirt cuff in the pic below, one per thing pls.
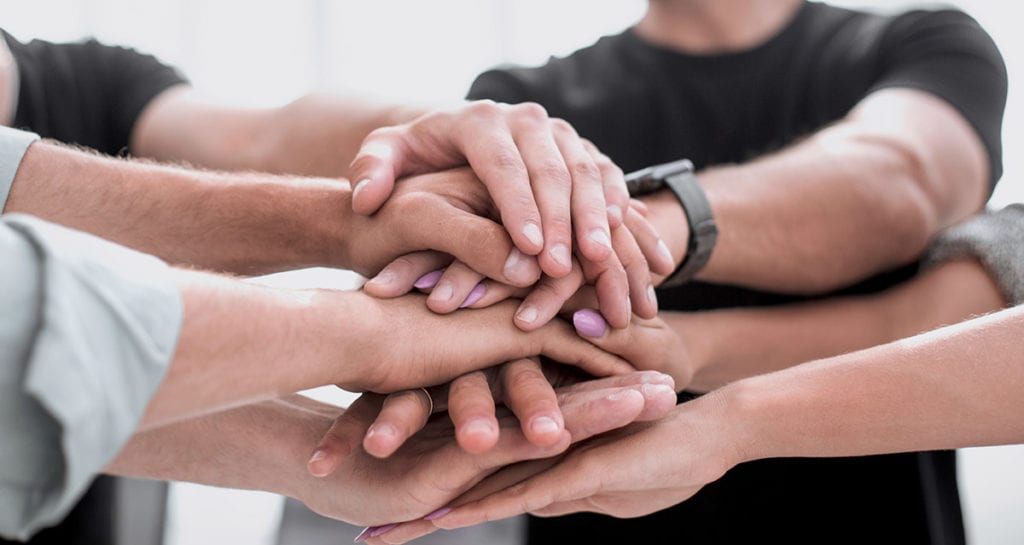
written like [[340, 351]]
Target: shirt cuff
[[106, 324], [13, 145]]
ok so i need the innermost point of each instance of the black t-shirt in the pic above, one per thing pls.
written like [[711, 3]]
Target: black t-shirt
[[86, 93], [644, 105]]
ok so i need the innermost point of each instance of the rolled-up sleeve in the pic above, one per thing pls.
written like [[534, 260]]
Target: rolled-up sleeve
[[87, 330], [13, 145]]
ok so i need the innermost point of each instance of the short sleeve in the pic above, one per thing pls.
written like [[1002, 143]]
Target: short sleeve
[[88, 333], [13, 145]]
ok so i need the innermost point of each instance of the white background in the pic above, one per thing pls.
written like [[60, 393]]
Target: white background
[[262, 52]]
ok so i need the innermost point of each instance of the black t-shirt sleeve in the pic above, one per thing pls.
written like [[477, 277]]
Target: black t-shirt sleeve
[[86, 93], [948, 54]]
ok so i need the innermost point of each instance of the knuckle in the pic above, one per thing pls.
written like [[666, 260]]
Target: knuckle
[[561, 126], [584, 170], [508, 161], [483, 109], [554, 173]]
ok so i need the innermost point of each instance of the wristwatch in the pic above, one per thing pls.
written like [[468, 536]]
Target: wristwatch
[[678, 176]]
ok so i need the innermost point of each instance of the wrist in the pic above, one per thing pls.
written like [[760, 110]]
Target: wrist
[[669, 219], [345, 328]]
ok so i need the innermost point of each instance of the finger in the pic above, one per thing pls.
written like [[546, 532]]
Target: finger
[[456, 288], [654, 249], [547, 297], [550, 183], [589, 212], [532, 399], [375, 167], [616, 195], [471, 406], [480, 243], [638, 273], [567, 350], [404, 273], [495, 158], [403, 414], [639, 206], [343, 436], [496, 292], [612, 288], [634, 380]]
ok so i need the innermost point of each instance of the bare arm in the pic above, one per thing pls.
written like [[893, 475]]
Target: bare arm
[[860, 196]]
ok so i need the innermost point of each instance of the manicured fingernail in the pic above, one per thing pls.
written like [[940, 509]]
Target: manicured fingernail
[[652, 297], [532, 233], [364, 534], [442, 292], [560, 253], [517, 267], [475, 295], [478, 426], [653, 390], [544, 424], [589, 323], [601, 237], [318, 454], [438, 514], [527, 315], [664, 251], [428, 280], [384, 278], [381, 429], [359, 187], [382, 530], [615, 213]]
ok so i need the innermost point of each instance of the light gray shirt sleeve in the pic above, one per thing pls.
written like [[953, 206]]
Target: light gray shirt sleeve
[[87, 330], [996, 239], [13, 145]]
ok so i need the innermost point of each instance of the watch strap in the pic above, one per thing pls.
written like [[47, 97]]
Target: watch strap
[[703, 230]]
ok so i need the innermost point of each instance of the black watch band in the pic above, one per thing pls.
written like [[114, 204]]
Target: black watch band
[[678, 176]]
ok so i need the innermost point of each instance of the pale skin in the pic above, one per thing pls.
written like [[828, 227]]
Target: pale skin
[[948, 388]]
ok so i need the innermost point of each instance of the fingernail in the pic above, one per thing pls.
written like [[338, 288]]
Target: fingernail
[[527, 315], [478, 292], [560, 253], [442, 292], [517, 267], [532, 233], [664, 251], [318, 454], [364, 534], [384, 277], [382, 530], [589, 323], [438, 514], [652, 296], [428, 280], [654, 390], [601, 237], [655, 377], [615, 213], [359, 187], [544, 424], [381, 429], [477, 426]]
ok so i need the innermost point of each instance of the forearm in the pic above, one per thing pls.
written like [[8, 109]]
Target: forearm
[[314, 135], [242, 343], [954, 387], [778, 337], [856, 198], [261, 447], [243, 223]]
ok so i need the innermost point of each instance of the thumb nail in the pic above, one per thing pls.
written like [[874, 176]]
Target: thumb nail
[[589, 323]]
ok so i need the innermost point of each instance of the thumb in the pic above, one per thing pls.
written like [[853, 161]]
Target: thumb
[[380, 160]]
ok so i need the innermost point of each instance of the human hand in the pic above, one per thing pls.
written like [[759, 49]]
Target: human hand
[[431, 469], [522, 386], [628, 472], [537, 170], [407, 346]]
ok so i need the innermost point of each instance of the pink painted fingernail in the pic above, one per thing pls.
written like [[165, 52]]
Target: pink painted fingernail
[[589, 323], [478, 292], [364, 534], [438, 514], [382, 530], [428, 280]]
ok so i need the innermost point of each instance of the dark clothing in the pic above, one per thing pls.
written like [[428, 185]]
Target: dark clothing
[[91, 95], [86, 93], [643, 105]]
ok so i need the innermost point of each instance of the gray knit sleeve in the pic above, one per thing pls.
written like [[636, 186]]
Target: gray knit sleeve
[[996, 239]]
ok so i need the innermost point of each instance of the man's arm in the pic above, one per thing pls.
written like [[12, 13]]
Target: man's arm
[[859, 196]]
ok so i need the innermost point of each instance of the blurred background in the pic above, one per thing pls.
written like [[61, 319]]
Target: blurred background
[[264, 52]]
